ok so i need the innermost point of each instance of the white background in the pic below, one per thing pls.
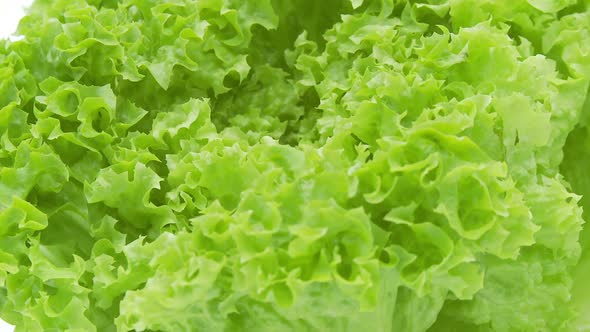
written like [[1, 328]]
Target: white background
[[10, 13]]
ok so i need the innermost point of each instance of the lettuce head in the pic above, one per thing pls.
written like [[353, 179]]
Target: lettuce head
[[296, 165]]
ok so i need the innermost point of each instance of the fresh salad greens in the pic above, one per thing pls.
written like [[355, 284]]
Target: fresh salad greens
[[296, 165]]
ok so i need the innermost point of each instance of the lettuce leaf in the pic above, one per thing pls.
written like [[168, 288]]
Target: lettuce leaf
[[224, 165]]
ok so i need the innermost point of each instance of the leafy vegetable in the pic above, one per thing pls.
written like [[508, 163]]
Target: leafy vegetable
[[274, 165]]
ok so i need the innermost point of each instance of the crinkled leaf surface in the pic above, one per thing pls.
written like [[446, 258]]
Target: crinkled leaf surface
[[274, 165]]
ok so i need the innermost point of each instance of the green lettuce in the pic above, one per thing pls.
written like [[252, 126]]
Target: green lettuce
[[274, 165]]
